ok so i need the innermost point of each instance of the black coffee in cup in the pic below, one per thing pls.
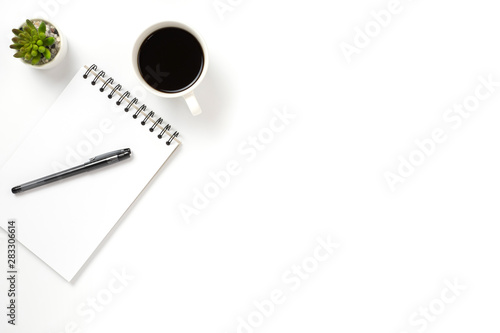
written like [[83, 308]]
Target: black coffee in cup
[[170, 60]]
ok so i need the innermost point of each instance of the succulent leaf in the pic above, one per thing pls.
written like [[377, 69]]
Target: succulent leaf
[[41, 49], [34, 53], [35, 47], [41, 35], [36, 59], [28, 56], [19, 54], [42, 28], [49, 41], [30, 24], [16, 46], [17, 32], [47, 54]]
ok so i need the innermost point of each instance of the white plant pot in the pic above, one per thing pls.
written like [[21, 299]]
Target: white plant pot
[[61, 54]]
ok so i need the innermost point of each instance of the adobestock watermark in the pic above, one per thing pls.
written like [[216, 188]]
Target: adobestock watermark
[[427, 314], [155, 77], [49, 8], [453, 119], [292, 278], [247, 151], [88, 310], [363, 36], [222, 7], [91, 138]]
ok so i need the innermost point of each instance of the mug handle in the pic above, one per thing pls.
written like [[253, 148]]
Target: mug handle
[[192, 103]]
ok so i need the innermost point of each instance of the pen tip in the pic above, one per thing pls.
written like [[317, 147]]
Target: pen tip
[[16, 189]]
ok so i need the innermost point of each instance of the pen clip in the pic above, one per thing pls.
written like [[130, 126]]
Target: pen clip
[[116, 153]]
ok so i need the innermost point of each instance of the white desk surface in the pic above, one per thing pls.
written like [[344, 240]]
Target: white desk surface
[[321, 174]]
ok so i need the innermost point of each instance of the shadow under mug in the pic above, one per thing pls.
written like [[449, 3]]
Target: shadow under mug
[[150, 68]]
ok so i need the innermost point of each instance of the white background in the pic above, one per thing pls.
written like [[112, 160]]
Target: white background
[[322, 176]]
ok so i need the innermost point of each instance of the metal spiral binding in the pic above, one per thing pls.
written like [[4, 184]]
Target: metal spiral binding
[[150, 114], [172, 138], [91, 68], [157, 122], [166, 128], [133, 101], [123, 96], [141, 109], [117, 87], [100, 76], [108, 81], [101, 73]]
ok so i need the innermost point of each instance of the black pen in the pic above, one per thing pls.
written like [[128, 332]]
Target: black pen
[[94, 163]]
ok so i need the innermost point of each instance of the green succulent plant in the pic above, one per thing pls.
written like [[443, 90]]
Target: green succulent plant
[[32, 43]]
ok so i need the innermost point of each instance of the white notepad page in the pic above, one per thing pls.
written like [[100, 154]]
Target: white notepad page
[[64, 222]]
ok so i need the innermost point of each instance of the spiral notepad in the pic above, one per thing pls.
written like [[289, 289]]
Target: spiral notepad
[[64, 222]]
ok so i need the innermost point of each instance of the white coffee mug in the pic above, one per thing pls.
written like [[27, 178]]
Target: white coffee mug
[[187, 93]]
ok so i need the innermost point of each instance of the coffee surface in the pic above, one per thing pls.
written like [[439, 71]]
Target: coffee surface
[[170, 60]]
